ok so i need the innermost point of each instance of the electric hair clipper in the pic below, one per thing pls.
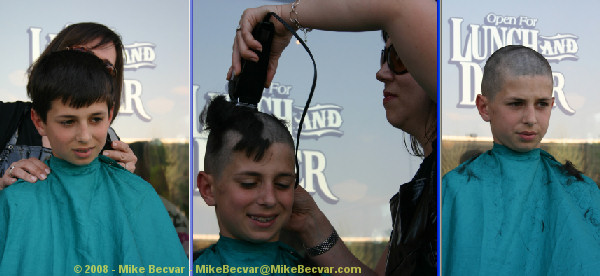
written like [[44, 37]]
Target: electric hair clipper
[[246, 88]]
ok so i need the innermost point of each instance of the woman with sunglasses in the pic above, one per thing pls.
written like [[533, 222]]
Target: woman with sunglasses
[[408, 70], [23, 149], [414, 208]]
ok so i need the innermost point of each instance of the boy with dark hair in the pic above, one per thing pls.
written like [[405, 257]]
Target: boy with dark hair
[[90, 214], [249, 178], [515, 210]]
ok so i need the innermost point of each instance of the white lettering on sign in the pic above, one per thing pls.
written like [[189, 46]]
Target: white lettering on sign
[[497, 31], [321, 120], [137, 55], [132, 100]]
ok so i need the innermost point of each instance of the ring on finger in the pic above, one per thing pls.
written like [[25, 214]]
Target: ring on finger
[[10, 171]]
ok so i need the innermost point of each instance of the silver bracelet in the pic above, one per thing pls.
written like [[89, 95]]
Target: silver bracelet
[[324, 246], [295, 19]]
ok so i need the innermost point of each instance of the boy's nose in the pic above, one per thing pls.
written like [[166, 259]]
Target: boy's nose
[[84, 135], [267, 195], [529, 116]]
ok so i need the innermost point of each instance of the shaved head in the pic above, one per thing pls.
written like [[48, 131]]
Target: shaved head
[[512, 61]]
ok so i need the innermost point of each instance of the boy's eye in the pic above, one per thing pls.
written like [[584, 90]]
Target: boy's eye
[[97, 119], [283, 186], [284, 183], [248, 185], [543, 104], [66, 122], [515, 103]]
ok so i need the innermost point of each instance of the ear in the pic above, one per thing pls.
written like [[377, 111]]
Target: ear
[[483, 104], [206, 184], [39, 124], [110, 114]]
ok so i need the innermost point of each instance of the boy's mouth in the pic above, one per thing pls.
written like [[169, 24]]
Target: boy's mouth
[[262, 219], [83, 152], [527, 135]]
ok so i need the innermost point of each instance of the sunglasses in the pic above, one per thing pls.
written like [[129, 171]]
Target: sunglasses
[[389, 55], [109, 66]]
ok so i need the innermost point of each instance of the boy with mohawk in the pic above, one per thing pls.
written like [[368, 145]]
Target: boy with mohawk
[[250, 179]]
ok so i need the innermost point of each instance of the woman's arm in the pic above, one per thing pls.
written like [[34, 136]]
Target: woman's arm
[[411, 25], [313, 228]]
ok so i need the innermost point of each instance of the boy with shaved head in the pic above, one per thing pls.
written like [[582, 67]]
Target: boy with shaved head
[[515, 210]]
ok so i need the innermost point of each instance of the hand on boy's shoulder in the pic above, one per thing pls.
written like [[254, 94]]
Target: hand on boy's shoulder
[[125, 177], [122, 154], [112, 163]]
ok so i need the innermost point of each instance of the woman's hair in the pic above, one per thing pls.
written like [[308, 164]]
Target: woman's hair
[[78, 79], [86, 32], [239, 129], [416, 148]]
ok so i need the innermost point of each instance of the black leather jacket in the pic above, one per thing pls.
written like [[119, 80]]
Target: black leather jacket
[[413, 242]]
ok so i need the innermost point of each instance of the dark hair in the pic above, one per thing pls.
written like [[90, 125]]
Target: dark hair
[[239, 129], [86, 32], [416, 149], [512, 61], [78, 79], [384, 35]]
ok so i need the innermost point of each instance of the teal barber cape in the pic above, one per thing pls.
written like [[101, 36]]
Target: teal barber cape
[[511, 213], [248, 258], [97, 218]]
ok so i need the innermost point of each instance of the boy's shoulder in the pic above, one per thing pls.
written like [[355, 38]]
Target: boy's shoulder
[[22, 197], [201, 256], [469, 170], [569, 172], [126, 183], [291, 253], [111, 164], [24, 190], [118, 171], [212, 257], [213, 252], [486, 164]]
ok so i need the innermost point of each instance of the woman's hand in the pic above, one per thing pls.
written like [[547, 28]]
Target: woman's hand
[[123, 155], [29, 170], [244, 42], [307, 219], [303, 209]]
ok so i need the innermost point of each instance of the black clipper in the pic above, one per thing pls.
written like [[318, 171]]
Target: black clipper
[[246, 88]]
